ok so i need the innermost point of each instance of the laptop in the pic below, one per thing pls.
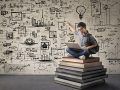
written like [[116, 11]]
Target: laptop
[[73, 45]]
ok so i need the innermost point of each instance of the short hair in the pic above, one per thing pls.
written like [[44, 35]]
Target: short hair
[[81, 24]]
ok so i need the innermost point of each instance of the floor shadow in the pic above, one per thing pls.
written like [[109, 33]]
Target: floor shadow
[[105, 86]]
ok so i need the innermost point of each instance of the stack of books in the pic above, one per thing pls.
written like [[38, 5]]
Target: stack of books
[[80, 74]]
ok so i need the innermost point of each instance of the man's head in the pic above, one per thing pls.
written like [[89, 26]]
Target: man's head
[[82, 27]]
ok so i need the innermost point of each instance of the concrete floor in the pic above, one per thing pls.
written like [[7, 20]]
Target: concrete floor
[[29, 82]]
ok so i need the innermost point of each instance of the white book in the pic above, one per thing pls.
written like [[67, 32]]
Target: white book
[[73, 45]]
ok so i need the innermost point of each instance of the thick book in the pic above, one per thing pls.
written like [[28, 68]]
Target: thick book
[[78, 85], [80, 79], [76, 60], [85, 65], [81, 69], [79, 73]]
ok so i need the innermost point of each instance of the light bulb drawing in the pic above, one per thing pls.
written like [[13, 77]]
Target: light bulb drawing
[[80, 10]]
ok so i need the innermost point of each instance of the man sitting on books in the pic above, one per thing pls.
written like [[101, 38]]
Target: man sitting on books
[[87, 42]]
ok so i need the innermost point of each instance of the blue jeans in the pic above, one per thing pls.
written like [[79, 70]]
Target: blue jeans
[[76, 53]]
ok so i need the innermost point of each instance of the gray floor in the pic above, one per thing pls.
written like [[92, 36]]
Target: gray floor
[[47, 83]]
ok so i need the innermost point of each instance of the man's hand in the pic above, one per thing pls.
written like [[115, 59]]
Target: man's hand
[[70, 26], [67, 23]]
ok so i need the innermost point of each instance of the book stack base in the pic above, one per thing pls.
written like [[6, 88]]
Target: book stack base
[[80, 74]]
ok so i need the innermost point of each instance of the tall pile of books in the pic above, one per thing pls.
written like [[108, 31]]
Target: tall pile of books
[[80, 74]]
